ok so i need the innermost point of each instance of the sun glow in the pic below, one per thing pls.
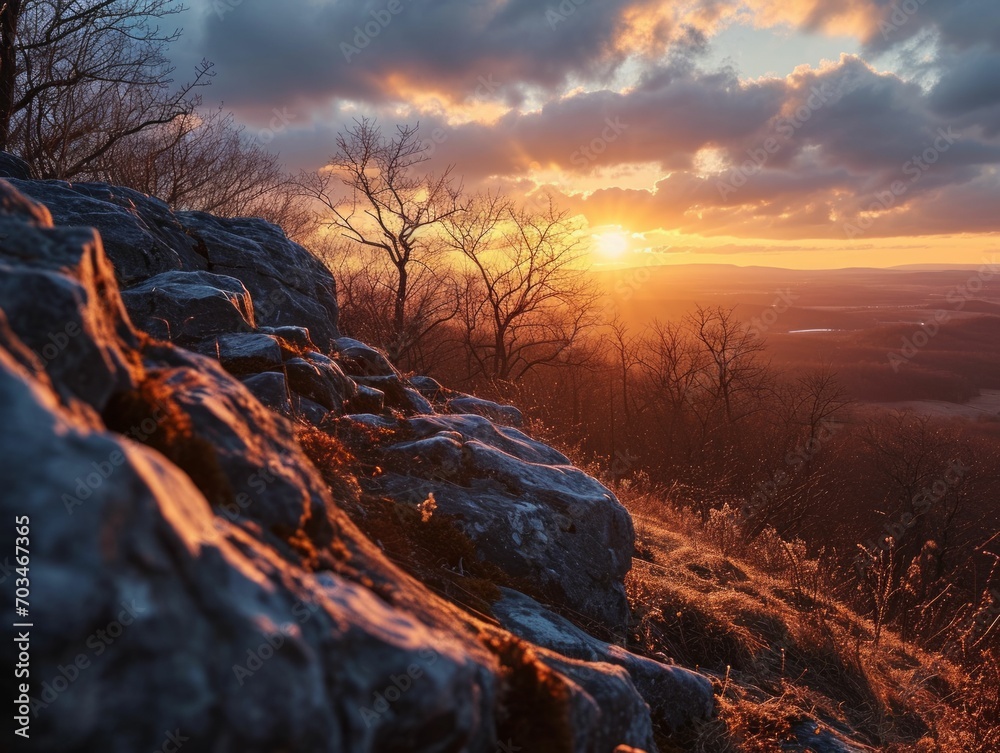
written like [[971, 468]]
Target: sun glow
[[611, 246]]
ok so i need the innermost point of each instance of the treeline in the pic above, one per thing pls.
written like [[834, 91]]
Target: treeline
[[901, 510]]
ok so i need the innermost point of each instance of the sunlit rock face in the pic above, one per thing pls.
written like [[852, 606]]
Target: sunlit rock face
[[194, 573]]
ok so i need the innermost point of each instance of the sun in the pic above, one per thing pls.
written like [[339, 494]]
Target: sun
[[611, 246]]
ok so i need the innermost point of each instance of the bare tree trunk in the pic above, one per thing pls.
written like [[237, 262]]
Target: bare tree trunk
[[399, 312], [10, 14]]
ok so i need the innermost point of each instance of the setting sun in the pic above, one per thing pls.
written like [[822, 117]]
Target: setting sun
[[611, 246]]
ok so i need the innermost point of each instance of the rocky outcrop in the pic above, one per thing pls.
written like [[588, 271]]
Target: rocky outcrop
[[194, 572], [675, 695], [145, 238], [522, 503]]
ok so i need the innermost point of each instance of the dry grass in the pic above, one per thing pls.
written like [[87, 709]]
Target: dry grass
[[781, 650]]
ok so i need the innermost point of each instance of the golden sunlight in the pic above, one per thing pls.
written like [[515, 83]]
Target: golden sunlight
[[611, 246]]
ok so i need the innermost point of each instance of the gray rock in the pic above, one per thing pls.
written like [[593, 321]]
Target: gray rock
[[363, 360], [59, 294], [523, 506], [366, 400], [428, 387], [182, 622], [186, 307], [12, 166], [306, 410], [244, 353], [271, 390], [314, 381], [254, 449], [141, 235], [246, 611], [290, 287], [398, 394], [505, 414], [676, 697], [298, 337], [609, 711], [145, 238]]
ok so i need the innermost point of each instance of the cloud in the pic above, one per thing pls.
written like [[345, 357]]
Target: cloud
[[610, 98], [379, 50]]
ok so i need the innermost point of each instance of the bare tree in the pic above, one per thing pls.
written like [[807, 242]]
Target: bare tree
[[531, 300], [366, 291], [736, 377], [389, 206], [206, 162], [78, 77]]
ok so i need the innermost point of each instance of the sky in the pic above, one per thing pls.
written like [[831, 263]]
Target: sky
[[792, 133]]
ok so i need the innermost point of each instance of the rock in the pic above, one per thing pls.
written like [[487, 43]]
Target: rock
[[609, 711], [398, 394], [211, 634], [142, 236], [330, 369], [676, 696], [290, 287], [523, 506], [171, 510], [428, 387], [366, 400], [317, 381], [243, 456], [145, 238], [271, 390], [363, 360], [306, 410], [298, 337], [58, 291], [505, 414], [507, 440], [186, 307], [12, 166], [244, 353]]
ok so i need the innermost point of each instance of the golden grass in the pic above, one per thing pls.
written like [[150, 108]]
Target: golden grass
[[781, 650]]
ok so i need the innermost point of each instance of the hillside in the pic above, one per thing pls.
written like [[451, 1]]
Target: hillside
[[249, 533]]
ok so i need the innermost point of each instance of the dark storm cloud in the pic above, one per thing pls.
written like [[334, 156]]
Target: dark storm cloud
[[318, 51]]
